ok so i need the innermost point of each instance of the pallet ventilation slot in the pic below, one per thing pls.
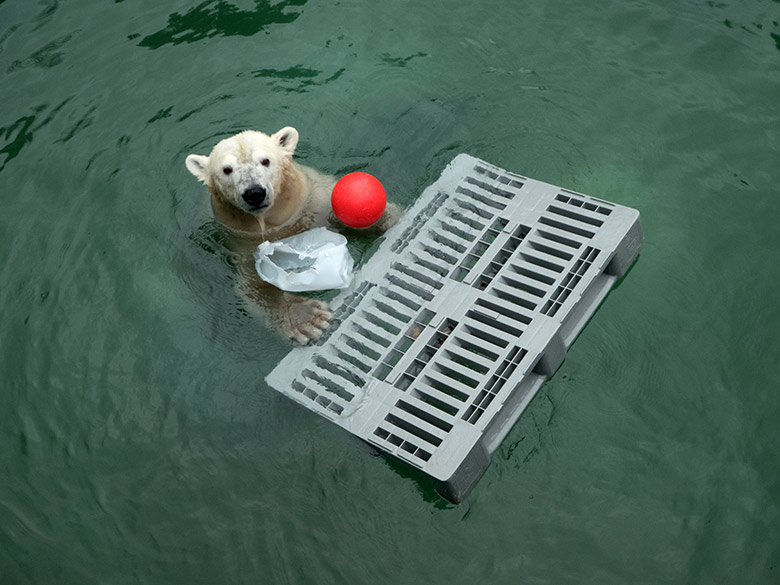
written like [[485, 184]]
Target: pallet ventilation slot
[[492, 189], [423, 215], [495, 385], [425, 354], [570, 282], [586, 203], [573, 215], [352, 301], [481, 199], [515, 182], [565, 227]]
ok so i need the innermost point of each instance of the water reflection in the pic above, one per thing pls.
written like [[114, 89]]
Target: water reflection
[[296, 79], [15, 137], [46, 57], [18, 134], [221, 18]]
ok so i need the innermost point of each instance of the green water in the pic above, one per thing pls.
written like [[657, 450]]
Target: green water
[[138, 441]]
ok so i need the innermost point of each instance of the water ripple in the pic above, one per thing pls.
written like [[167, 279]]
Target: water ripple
[[48, 56], [15, 136], [297, 79]]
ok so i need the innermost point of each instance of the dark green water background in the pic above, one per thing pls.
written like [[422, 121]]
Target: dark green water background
[[138, 440]]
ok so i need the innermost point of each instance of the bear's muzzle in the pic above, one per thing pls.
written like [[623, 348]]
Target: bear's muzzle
[[255, 197]]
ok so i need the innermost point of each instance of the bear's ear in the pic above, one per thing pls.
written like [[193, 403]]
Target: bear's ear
[[287, 138], [198, 165]]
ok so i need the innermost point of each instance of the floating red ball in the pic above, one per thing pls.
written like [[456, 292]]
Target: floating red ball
[[358, 199]]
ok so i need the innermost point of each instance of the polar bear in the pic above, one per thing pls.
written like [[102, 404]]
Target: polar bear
[[260, 193]]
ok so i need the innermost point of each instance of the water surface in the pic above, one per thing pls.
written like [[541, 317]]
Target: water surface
[[139, 443]]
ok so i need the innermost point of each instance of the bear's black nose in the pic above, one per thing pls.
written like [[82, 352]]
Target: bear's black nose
[[254, 196]]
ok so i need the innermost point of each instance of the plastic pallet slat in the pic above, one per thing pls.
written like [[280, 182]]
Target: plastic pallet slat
[[467, 306]]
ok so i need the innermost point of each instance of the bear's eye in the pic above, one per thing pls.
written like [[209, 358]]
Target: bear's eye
[[227, 169], [265, 162]]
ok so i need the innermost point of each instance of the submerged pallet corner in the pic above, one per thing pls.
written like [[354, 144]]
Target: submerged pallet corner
[[469, 304]]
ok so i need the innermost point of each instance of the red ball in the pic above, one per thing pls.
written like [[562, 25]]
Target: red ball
[[358, 199]]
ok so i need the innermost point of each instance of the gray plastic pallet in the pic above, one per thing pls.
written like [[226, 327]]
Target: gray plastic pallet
[[467, 306]]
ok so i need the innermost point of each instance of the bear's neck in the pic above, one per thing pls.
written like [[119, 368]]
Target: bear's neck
[[290, 199]]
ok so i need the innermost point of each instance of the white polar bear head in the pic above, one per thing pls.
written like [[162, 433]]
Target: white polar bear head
[[247, 170]]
